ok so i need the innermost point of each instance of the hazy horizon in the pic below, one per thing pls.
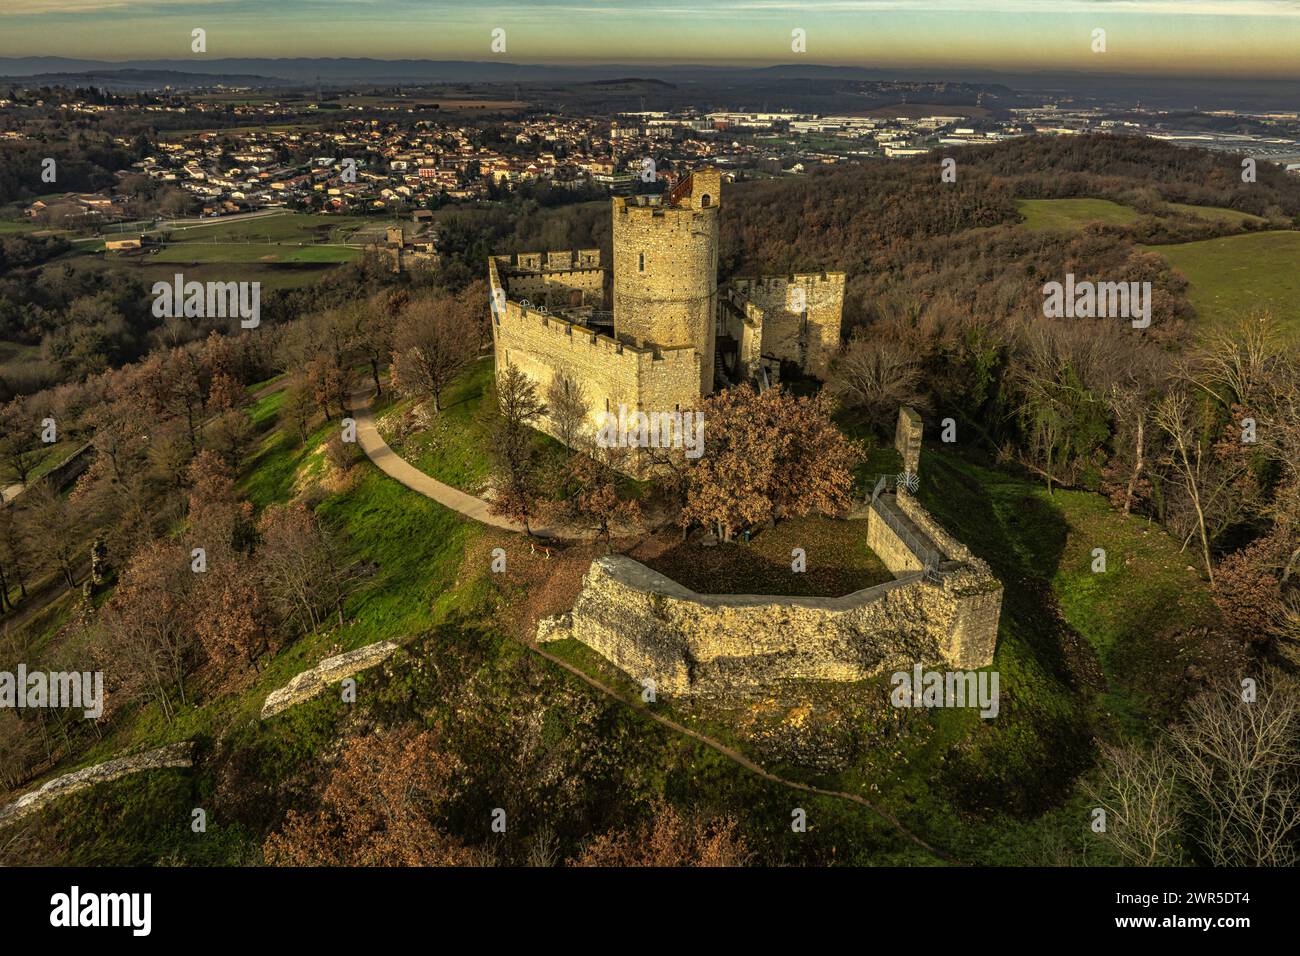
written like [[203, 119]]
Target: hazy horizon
[[1176, 38]]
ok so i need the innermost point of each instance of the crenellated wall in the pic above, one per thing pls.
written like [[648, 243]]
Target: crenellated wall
[[800, 316], [611, 373]]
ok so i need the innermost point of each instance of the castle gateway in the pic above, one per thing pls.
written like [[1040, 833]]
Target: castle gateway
[[654, 333]]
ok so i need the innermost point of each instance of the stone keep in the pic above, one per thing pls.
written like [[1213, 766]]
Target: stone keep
[[666, 270]]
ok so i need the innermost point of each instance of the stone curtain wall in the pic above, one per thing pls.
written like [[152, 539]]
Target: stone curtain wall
[[566, 280], [688, 643], [785, 335], [714, 644], [610, 372]]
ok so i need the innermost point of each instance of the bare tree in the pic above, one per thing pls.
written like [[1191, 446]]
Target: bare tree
[[52, 530], [304, 575], [1203, 481], [566, 402], [147, 625], [1241, 759], [430, 349], [1138, 792], [20, 447], [878, 375], [517, 409]]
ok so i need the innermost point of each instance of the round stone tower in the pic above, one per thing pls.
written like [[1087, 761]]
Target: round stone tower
[[666, 269]]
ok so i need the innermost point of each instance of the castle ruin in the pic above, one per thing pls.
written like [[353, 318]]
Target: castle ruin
[[942, 608], [654, 332]]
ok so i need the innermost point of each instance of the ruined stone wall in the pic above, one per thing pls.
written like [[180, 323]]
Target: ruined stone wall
[[312, 683], [171, 755], [808, 337], [887, 545], [717, 644], [710, 644], [665, 274], [908, 434]]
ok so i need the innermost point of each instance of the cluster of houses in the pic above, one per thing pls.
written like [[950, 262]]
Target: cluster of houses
[[74, 209]]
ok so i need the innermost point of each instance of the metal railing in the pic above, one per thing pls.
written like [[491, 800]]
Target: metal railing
[[921, 550]]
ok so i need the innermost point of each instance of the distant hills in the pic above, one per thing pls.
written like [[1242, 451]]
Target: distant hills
[[1165, 92]]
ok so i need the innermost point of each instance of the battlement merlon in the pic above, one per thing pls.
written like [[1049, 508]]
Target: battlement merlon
[[699, 191], [538, 322], [744, 283], [572, 260]]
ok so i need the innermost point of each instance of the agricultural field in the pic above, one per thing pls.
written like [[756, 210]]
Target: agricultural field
[[281, 251], [283, 274], [195, 253]]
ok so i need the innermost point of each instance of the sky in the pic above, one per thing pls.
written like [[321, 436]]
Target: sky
[[1243, 38]]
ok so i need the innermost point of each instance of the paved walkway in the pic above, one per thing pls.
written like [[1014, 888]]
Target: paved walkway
[[393, 465]]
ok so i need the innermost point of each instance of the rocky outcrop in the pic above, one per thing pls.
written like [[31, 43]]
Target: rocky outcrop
[[172, 755], [310, 683]]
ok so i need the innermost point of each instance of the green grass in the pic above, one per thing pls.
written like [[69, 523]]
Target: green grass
[[1041, 546], [9, 226], [286, 227], [1080, 655], [1235, 275], [148, 270], [1215, 213], [1072, 214], [454, 448], [199, 252], [408, 551]]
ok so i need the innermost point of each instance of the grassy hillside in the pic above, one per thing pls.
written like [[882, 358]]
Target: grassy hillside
[[1070, 214], [1080, 656], [1215, 213], [1234, 275]]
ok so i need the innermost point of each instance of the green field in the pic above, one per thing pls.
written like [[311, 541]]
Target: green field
[[11, 226], [1070, 214], [200, 252], [1235, 275], [288, 238], [148, 269], [1215, 213], [286, 251]]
